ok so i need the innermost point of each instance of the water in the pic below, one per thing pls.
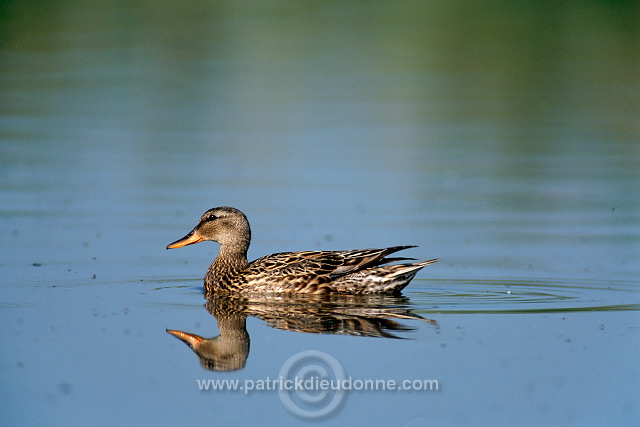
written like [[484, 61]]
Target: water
[[502, 139]]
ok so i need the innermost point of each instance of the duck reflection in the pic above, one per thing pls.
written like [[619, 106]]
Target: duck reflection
[[357, 315]]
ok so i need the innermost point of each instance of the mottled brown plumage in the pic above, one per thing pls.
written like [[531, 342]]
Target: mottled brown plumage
[[360, 271], [339, 314]]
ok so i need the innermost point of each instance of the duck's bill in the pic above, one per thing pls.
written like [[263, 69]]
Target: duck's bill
[[189, 239], [191, 339]]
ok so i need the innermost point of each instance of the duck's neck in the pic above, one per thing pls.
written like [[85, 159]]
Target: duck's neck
[[233, 327], [231, 260]]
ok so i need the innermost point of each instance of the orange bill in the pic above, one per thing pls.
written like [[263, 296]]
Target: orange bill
[[191, 339], [189, 239]]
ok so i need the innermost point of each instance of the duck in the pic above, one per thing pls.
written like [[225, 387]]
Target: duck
[[371, 316], [357, 271]]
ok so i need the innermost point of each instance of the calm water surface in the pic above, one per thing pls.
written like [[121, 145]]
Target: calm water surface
[[502, 139]]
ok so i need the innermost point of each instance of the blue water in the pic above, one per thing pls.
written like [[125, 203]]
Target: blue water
[[502, 139]]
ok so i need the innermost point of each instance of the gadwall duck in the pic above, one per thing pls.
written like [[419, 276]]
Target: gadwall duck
[[359, 271]]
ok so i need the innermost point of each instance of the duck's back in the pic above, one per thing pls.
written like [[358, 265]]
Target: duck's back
[[353, 271]]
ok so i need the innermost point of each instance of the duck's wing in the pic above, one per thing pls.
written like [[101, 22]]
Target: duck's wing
[[321, 263]]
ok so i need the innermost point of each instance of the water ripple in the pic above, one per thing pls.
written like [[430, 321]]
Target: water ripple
[[523, 296]]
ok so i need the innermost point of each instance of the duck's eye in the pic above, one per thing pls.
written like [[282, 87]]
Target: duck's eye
[[212, 217]]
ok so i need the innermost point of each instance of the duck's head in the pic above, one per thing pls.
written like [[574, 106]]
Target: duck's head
[[225, 225], [219, 353]]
